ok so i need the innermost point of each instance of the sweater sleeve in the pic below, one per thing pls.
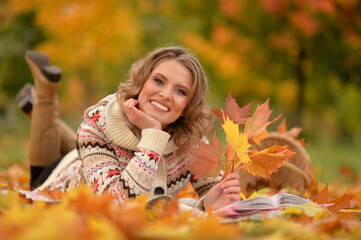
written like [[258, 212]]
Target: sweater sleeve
[[124, 173], [202, 186]]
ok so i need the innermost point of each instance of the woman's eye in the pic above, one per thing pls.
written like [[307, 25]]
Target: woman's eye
[[157, 80], [180, 91]]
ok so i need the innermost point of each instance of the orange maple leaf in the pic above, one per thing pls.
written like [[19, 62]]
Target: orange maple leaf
[[264, 163], [208, 161], [233, 111], [302, 141], [230, 160], [256, 125], [341, 202], [323, 195], [54, 194], [293, 132]]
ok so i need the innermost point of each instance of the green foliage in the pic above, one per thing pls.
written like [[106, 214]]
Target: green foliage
[[287, 50], [17, 35]]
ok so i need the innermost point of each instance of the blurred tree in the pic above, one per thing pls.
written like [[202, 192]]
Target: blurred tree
[[284, 49], [17, 35], [91, 40], [305, 54]]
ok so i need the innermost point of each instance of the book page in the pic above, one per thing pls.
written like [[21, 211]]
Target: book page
[[257, 202], [283, 199], [260, 205]]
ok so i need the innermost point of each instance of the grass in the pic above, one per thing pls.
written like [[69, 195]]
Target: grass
[[329, 160], [14, 140]]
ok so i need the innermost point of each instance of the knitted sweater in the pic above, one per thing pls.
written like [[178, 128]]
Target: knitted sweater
[[113, 160]]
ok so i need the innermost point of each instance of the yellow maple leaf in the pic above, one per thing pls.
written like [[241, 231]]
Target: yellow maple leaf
[[238, 140]]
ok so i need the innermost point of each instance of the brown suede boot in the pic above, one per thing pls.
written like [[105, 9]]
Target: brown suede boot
[[25, 100], [44, 134]]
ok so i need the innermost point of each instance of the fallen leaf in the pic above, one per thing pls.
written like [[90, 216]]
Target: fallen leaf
[[312, 191], [54, 194], [325, 224], [323, 195], [294, 211], [340, 203], [346, 171], [187, 192], [212, 228]]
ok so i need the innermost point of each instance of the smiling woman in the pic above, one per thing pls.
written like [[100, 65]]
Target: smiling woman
[[165, 94], [135, 142]]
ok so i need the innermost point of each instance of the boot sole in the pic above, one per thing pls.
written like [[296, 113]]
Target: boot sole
[[52, 73], [25, 98]]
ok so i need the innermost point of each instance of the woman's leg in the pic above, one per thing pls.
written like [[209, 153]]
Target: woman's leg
[[25, 99], [45, 140]]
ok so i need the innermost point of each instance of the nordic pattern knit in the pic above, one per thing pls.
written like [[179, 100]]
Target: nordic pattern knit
[[115, 161]]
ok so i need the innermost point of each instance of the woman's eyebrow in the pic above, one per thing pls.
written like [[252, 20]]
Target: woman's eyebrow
[[161, 75]]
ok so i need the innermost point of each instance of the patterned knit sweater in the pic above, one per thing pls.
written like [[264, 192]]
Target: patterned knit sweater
[[113, 160]]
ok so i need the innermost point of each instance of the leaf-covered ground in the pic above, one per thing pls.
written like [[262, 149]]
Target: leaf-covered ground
[[80, 215]]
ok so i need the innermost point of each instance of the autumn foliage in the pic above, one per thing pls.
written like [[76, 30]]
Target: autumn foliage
[[81, 215], [239, 152]]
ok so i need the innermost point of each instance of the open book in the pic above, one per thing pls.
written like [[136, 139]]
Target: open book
[[260, 204]]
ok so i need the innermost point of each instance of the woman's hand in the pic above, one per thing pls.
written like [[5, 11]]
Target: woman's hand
[[224, 193], [139, 118]]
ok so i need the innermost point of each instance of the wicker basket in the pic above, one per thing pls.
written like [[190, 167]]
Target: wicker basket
[[297, 173]]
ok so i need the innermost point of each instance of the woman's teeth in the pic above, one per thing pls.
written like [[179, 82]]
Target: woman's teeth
[[158, 105]]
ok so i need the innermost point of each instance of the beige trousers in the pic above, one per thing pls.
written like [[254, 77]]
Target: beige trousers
[[50, 137]]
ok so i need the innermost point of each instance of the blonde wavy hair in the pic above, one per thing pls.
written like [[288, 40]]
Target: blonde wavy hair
[[196, 121]]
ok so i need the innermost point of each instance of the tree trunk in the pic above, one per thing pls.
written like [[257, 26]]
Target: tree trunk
[[301, 82]]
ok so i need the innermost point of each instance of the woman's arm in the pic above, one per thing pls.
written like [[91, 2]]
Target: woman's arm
[[118, 170]]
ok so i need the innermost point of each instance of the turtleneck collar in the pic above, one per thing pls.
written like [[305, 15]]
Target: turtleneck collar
[[120, 133]]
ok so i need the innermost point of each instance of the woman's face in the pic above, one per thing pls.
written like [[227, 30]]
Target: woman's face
[[166, 92]]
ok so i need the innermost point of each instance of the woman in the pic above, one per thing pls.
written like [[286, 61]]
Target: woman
[[137, 141]]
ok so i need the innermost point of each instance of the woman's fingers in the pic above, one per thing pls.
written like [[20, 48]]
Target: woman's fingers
[[138, 117], [230, 183], [128, 106], [233, 197], [234, 175], [232, 190], [231, 180]]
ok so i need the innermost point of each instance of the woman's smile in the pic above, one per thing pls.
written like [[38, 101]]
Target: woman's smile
[[160, 106]]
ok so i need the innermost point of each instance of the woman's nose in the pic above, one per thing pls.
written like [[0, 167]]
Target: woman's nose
[[165, 93]]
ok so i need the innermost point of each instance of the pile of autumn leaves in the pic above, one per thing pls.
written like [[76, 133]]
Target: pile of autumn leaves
[[78, 214], [81, 215]]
